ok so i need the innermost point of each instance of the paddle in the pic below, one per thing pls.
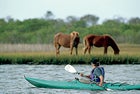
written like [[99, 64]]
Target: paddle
[[71, 69]]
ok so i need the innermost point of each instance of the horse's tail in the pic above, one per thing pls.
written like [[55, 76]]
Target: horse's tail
[[56, 39], [84, 42]]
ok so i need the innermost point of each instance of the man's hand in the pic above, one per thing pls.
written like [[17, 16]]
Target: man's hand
[[100, 84], [81, 74]]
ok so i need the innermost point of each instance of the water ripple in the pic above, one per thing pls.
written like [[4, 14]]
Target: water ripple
[[12, 78]]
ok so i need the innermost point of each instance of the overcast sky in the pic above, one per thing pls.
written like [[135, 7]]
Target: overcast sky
[[104, 9]]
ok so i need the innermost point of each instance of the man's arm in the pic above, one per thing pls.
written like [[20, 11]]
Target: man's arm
[[101, 80], [87, 76]]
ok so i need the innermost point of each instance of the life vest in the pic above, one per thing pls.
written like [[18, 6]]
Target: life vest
[[94, 77]]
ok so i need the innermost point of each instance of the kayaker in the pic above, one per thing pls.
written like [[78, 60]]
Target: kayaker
[[97, 73]]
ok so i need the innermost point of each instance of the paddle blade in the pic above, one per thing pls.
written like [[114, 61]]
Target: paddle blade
[[70, 69]]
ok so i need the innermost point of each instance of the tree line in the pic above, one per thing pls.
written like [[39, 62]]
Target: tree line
[[42, 30]]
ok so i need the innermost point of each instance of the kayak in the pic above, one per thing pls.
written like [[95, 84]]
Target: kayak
[[76, 84]]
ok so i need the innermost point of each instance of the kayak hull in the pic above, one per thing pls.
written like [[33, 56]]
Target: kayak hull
[[75, 84]]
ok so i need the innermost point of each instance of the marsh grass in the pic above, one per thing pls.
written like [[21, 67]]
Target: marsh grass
[[45, 54]]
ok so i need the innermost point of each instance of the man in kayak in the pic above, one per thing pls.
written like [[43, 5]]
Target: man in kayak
[[97, 73]]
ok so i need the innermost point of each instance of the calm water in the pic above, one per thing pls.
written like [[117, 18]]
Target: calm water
[[12, 78]]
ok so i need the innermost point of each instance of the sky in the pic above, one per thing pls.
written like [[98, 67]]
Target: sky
[[104, 9]]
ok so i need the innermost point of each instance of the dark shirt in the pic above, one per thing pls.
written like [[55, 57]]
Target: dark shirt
[[96, 73]]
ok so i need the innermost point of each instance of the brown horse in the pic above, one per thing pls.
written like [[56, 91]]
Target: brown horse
[[66, 40], [99, 41]]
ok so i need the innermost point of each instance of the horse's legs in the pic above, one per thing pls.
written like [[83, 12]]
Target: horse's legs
[[57, 46], [76, 50], [85, 50], [89, 49], [71, 49], [105, 50]]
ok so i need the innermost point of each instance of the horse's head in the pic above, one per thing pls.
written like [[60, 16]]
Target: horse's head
[[116, 52], [74, 38], [74, 35]]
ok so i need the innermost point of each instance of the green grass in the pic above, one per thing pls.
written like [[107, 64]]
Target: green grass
[[129, 54], [63, 59]]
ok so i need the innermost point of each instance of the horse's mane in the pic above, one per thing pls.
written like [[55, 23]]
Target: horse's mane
[[113, 43]]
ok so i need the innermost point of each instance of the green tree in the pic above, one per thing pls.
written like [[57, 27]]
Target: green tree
[[90, 20], [134, 20], [49, 15]]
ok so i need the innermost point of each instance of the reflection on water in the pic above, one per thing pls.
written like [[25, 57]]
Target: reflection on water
[[12, 78]]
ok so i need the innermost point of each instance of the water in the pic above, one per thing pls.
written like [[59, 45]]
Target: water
[[12, 78]]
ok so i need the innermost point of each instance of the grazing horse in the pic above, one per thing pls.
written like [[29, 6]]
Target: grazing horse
[[66, 40], [99, 41]]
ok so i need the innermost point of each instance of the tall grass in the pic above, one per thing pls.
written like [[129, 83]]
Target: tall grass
[[15, 59], [25, 47], [45, 54]]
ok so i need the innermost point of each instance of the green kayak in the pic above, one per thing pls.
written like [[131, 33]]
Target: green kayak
[[75, 84]]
